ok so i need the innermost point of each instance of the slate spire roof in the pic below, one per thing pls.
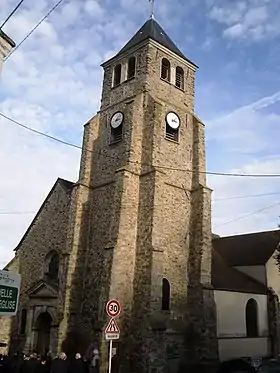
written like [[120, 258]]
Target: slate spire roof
[[152, 30]]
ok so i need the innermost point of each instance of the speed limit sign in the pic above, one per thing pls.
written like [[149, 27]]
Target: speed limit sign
[[113, 308]]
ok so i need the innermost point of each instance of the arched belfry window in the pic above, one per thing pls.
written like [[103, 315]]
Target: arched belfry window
[[23, 320], [131, 67], [252, 318], [179, 79], [165, 296], [117, 75], [52, 265], [165, 69]]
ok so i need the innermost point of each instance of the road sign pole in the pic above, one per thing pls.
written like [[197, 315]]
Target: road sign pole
[[110, 355]]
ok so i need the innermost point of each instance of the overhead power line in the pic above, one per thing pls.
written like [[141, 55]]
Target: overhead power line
[[214, 200], [10, 15], [245, 196], [247, 215], [33, 29], [214, 227], [16, 212], [140, 163]]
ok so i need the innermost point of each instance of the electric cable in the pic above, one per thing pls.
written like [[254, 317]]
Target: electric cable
[[11, 14], [33, 29], [141, 163], [247, 215]]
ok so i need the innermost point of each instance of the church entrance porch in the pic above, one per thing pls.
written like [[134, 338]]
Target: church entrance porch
[[43, 330]]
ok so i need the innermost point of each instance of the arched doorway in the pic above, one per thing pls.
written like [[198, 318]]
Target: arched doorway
[[43, 326]]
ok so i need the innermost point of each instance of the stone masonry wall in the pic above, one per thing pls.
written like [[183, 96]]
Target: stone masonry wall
[[166, 91], [142, 217], [46, 233]]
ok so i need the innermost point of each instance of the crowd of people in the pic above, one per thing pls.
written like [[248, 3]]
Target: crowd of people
[[34, 363]]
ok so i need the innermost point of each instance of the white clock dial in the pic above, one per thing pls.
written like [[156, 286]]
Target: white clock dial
[[173, 120], [117, 119]]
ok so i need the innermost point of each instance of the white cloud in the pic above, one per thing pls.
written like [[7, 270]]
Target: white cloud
[[247, 140], [251, 19]]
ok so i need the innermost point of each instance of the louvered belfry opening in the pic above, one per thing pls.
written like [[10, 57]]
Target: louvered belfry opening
[[165, 69], [171, 134], [116, 134], [117, 74], [179, 79], [131, 68]]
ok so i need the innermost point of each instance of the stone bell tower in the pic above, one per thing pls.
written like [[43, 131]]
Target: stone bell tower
[[141, 223]]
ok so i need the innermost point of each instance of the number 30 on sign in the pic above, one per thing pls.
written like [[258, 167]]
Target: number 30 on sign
[[113, 308]]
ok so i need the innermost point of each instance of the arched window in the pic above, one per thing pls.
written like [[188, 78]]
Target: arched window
[[165, 69], [52, 265], [23, 320], [165, 297], [179, 80], [131, 65], [117, 74], [252, 318]]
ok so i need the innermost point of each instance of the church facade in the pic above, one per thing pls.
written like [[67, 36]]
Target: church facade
[[135, 227]]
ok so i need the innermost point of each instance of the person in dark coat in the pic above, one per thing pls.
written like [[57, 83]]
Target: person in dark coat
[[2, 365], [78, 365], [95, 362], [44, 366], [16, 363], [60, 364], [31, 365]]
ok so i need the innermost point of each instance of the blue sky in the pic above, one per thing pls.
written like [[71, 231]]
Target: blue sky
[[52, 83]]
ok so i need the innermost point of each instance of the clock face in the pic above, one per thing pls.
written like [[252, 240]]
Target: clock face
[[173, 120], [117, 119]]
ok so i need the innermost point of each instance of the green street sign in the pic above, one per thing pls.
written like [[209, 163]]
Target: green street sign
[[9, 293]]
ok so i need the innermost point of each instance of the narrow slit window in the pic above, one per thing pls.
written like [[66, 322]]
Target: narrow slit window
[[165, 300], [117, 74], [165, 69], [179, 80], [131, 67], [23, 321]]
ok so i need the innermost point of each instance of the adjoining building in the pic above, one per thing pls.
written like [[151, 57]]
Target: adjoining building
[[6, 45]]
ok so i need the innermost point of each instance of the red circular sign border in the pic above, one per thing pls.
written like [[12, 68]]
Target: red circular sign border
[[108, 305]]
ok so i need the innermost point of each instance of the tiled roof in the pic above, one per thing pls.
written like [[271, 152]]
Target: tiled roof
[[152, 30], [67, 185], [227, 278], [247, 249]]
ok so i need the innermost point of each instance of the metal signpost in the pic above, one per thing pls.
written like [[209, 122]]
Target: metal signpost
[[112, 331], [9, 293]]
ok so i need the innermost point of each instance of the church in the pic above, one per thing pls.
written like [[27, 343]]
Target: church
[[136, 227]]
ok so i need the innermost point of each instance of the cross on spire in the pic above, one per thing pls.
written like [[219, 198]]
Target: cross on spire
[[152, 15]]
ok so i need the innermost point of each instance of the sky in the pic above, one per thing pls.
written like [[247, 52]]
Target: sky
[[52, 83]]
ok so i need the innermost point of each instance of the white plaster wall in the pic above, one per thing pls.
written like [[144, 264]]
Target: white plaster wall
[[273, 275], [243, 347], [231, 325], [256, 272]]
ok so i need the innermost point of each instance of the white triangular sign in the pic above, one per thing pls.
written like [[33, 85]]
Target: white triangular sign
[[112, 327]]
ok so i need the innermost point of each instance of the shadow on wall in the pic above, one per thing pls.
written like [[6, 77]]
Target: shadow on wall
[[92, 276]]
